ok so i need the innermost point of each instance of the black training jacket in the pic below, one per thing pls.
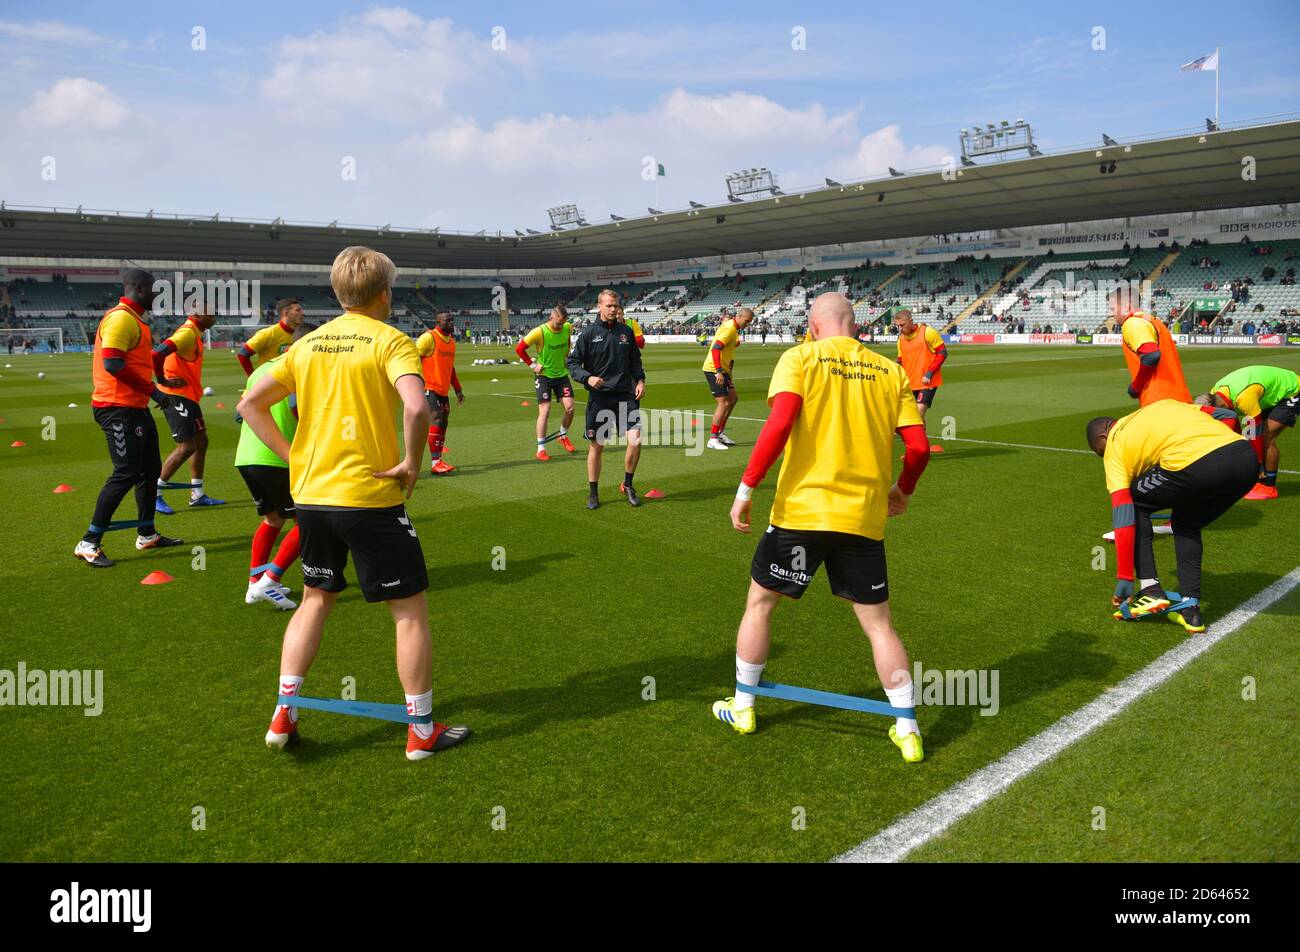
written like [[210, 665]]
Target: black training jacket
[[608, 351]]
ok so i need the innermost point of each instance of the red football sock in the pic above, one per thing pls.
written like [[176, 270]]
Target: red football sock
[[436, 436], [285, 555], [715, 430], [263, 539]]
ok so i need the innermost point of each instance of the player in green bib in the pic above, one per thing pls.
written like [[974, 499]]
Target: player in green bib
[[267, 478], [551, 341], [1266, 401]]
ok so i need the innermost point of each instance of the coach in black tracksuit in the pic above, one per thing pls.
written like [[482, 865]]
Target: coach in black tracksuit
[[606, 360]]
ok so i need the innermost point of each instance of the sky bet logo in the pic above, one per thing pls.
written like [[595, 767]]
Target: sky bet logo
[[103, 906]]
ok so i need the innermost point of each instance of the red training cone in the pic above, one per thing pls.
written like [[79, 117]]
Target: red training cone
[[63, 488], [156, 578], [221, 406], [654, 494], [16, 443], [524, 404], [936, 448]]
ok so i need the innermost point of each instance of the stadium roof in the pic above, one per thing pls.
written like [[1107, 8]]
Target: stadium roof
[[1192, 172]]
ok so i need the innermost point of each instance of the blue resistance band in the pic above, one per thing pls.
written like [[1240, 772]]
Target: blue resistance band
[[178, 486], [848, 702], [380, 712], [119, 524]]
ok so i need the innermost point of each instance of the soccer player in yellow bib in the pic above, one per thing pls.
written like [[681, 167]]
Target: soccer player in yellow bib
[[1167, 455], [271, 341], [350, 483], [551, 378], [1266, 400], [836, 406], [718, 364], [921, 351]]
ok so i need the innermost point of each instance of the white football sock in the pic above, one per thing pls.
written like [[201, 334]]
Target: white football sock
[[421, 704], [903, 697], [746, 673], [196, 489], [290, 685]]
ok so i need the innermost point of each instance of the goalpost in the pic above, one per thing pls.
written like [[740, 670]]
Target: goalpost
[[48, 340]]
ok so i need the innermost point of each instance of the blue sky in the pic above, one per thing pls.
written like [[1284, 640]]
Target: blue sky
[[444, 130]]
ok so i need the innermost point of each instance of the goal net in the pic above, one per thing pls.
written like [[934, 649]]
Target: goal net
[[36, 340]]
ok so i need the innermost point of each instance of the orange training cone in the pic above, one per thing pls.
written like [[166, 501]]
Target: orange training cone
[[936, 448], [63, 488], [654, 494], [221, 406], [16, 443], [156, 578], [524, 404]]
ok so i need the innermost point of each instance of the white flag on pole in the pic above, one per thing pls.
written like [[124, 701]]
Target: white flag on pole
[[1208, 62]]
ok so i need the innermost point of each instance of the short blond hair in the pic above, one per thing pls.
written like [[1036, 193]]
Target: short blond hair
[[608, 291], [360, 274]]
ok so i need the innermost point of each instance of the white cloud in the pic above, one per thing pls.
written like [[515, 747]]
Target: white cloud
[[386, 63], [75, 102], [51, 31], [879, 150]]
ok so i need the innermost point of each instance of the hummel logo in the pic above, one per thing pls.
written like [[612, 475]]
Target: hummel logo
[[597, 340], [406, 521], [876, 588], [181, 410], [390, 584]]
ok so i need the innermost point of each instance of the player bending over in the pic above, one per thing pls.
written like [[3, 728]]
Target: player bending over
[[1266, 400], [350, 483], [718, 365], [437, 350], [267, 478], [1168, 455], [552, 340], [921, 351], [607, 361], [835, 408], [178, 364]]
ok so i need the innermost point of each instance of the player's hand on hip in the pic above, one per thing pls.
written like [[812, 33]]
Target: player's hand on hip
[[595, 383], [405, 472], [1123, 592], [740, 514], [719, 378], [898, 500], [640, 389]]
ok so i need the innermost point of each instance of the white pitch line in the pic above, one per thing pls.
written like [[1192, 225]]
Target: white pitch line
[[926, 822], [942, 439]]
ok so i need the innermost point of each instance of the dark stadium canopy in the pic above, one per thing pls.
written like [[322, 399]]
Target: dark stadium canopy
[[1186, 173]]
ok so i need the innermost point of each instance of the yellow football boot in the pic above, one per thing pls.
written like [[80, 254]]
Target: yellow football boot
[[743, 720], [909, 744]]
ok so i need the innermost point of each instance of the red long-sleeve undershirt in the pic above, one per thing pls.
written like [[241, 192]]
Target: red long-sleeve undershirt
[[780, 422], [455, 381], [940, 355], [245, 361], [127, 374], [716, 353], [521, 349], [1124, 534], [160, 358], [1145, 371]]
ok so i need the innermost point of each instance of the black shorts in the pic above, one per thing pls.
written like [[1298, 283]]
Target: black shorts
[[611, 414], [1200, 492], [711, 378], [438, 403], [384, 547], [546, 386], [925, 396], [787, 559], [269, 486], [184, 417], [1286, 412], [132, 441]]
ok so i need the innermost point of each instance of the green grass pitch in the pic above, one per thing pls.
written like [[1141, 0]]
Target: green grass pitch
[[548, 659]]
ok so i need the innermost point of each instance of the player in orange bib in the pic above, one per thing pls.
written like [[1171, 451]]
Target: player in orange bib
[[921, 351], [178, 364], [1155, 370], [122, 374], [437, 347]]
